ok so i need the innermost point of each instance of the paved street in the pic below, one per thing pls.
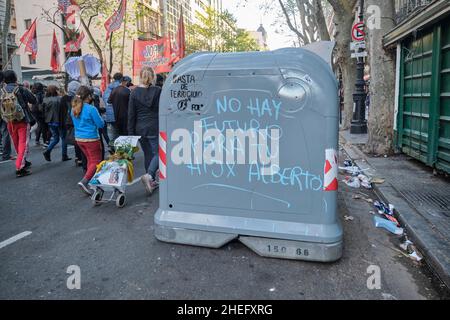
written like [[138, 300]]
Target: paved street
[[120, 258]]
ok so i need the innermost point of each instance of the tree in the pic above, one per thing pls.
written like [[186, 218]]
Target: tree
[[343, 21], [382, 85], [4, 29], [92, 16], [217, 32], [306, 19]]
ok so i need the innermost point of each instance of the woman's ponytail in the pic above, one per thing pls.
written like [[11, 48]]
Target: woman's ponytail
[[82, 96]]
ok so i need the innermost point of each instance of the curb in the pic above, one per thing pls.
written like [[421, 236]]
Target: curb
[[429, 246]]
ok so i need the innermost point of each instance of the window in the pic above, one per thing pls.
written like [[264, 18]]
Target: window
[[147, 24], [27, 23], [13, 16], [31, 60]]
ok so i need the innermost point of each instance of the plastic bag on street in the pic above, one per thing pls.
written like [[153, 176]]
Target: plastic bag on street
[[388, 225], [352, 182]]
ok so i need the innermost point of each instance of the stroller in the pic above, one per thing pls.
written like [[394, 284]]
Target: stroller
[[115, 174]]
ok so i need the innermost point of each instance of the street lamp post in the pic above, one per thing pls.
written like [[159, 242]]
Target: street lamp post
[[359, 123]]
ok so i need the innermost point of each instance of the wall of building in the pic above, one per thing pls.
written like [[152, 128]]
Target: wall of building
[[29, 10]]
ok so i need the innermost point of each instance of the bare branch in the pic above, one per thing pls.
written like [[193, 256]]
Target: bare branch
[[289, 22]]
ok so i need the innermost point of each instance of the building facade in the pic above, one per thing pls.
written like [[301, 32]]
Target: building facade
[[422, 41], [260, 35], [11, 38], [146, 20]]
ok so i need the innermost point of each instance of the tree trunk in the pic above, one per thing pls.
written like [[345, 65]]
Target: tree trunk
[[94, 43], [382, 84], [321, 21], [343, 24], [5, 33]]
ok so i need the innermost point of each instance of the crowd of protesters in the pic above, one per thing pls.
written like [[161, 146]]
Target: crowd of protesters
[[85, 118]]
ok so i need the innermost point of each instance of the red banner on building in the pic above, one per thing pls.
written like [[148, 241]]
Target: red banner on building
[[154, 53]]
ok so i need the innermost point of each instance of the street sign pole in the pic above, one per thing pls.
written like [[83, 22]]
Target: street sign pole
[[359, 123]]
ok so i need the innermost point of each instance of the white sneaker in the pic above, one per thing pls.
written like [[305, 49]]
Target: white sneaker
[[147, 181], [85, 188]]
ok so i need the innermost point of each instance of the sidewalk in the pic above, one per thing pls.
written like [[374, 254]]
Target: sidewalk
[[421, 199]]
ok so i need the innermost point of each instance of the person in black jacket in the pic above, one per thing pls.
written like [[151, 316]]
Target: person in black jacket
[[119, 98], [143, 113], [38, 113], [56, 122]]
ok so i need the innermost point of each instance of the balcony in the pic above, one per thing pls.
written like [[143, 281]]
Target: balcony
[[406, 8]]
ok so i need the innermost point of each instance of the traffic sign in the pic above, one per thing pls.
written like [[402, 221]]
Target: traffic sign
[[359, 54], [355, 46], [358, 33]]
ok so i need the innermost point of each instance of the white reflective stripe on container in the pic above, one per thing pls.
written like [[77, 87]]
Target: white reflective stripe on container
[[162, 155], [331, 170]]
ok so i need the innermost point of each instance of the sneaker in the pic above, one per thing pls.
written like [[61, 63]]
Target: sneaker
[[83, 184], [154, 184], [47, 156], [66, 158], [147, 181], [27, 164], [22, 172], [37, 143]]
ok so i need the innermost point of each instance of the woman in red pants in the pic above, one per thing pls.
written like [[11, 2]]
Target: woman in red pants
[[87, 122]]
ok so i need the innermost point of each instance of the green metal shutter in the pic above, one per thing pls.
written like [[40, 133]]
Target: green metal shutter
[[443, 148], [424, 102]]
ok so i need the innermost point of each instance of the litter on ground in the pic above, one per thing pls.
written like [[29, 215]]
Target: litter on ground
[[388, 225]]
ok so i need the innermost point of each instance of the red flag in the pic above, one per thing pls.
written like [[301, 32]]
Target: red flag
[[181, 38], [154, 53], [115, 21], [105, 78], [54, 62], [74, 46], [63, 5], [29, 39]]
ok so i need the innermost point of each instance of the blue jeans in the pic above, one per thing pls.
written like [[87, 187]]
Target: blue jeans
[[58, 133], [6, 140], [150, 147]]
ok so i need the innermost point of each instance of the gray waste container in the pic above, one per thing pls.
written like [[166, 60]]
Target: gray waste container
[[248, 150]]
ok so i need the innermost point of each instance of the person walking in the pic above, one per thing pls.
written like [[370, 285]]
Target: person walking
[[119, 99], [18, 128], [143, 120], [109, 115], [38, 113], [54, 110], [72, 89], [5, 140], [87, 122]]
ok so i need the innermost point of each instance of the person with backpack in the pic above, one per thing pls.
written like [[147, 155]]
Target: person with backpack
[[87, 122], [15, 111], [143, 120], [56, 122]]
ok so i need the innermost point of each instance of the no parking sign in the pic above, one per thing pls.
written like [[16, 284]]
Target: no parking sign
[[358, 33]]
